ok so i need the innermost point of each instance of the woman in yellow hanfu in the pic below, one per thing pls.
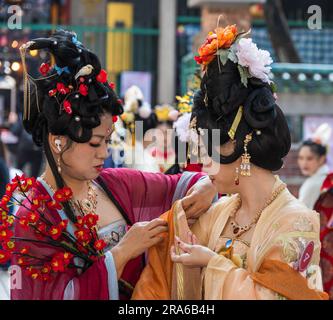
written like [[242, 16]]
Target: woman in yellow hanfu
[[260, 242]]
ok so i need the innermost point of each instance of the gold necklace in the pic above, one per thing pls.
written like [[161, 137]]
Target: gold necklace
[[239, 230], [83, 206], [89, 204]]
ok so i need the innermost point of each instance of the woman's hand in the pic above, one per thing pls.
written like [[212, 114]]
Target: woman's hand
[[140, 237], [198, 199], [191, 255]]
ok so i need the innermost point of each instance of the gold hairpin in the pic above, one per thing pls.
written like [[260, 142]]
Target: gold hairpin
[[27, 80], [206, 97], [192, 144], [235, 124], [193, 125]]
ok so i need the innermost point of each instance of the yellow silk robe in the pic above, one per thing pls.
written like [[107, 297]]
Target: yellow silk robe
[[286, 227]]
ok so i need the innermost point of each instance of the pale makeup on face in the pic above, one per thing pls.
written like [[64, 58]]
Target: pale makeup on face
[[223, 175], [309, 162], [82, 162], [85, 160]]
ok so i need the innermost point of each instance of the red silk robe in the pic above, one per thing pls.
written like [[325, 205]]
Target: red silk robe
[[139, 196], [324, 206]]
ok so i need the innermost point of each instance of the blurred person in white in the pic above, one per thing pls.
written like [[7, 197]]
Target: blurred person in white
[[163, 150], [312, 159], [138, 112]]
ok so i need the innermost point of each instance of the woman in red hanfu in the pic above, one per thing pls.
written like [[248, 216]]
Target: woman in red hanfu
[[70, 112], [324, 206]]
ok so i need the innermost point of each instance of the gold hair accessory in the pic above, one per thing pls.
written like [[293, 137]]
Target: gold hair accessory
[[245, 165], [235, 124], [206, 97], [28, 80], [59, 166], [193, 129], [193, 125], [237, 177], [194, 132]]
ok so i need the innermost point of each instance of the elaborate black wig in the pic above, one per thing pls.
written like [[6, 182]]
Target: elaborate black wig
[[45, 109], [261, 115]]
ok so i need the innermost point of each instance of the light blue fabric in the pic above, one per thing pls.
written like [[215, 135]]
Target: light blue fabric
[[113, 289], [112, 233], [70, 227], [112, 276], [109, 262], [69, 292], [183, 183], [62, 214]]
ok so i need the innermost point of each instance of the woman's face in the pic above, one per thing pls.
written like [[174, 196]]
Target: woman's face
[[223, 175], [84, 161], [309, 162]]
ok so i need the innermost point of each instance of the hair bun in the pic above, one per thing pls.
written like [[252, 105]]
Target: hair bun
[[76, 79], [229, 101], [260, 108]]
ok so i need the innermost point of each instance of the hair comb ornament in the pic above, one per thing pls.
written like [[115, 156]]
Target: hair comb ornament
[[206, 97], [194, 140], [235, 123]]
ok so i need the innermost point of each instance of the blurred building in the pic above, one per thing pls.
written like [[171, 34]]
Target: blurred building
[[148, 37]]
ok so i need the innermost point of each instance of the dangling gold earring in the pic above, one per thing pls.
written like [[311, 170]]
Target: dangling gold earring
[[206, 97], [192, 127], [58, 165], [237, 177], [245, 165]]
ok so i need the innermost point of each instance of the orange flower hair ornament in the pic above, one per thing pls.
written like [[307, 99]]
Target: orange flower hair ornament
[[222, 38], [227, 44]]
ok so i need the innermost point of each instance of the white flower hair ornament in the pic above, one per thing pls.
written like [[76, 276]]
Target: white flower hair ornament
[[182, 127], [228, 44], [182, 124], [251, 61], [256, 60], [322, 135]]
